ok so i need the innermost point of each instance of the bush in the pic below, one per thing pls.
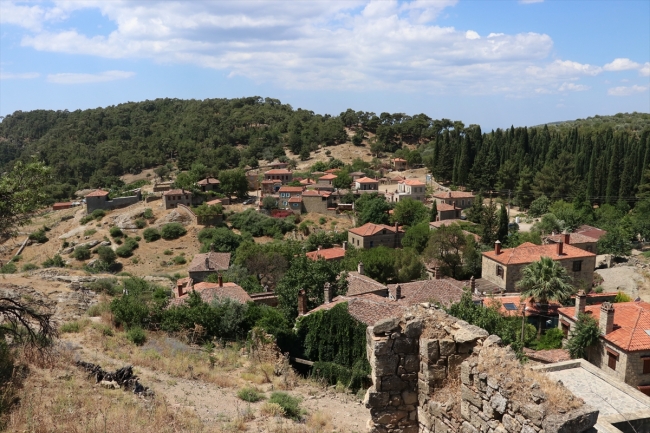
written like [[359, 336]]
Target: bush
[[585, 334], [136, 335], [137, 238], [116, 232], [98, 214], [140, 223], [124, 251], [172, 231], [290, 405], [9, 268], [258, 224], [106, 255], [180, 260], [16, 258], [29, 267], [322, 220], [551, 340], [148, 213], [622, 297], [151, 234], [54, 262], [97, 309], [90, 232], [250, 395], [70, 327], [39, 237], [81, 253], [168, 252], [105, 285]]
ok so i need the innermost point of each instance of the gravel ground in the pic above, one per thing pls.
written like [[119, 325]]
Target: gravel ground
[[628, 279]]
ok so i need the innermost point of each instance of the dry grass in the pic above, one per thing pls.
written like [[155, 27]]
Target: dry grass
[[319, 421], [271, 409]]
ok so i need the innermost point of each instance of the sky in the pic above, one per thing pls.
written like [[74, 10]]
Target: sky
[[493, 63]]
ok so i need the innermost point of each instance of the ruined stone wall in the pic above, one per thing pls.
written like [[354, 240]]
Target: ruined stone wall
[[433, 373]]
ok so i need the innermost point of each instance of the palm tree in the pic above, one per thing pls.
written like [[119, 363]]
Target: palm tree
[[545, 280]]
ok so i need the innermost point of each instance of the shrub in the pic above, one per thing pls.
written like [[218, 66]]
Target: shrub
[[180, 260], [136, 335], [124, 251], [29, 267], [585, 334], [272, 409], [16, 258], [151, 234], [39, 237], [148, 213], [118, 241], [168, 252], [105, 285], [140, 223], [250, 395], [97, 309], [290, 405], [106, 254], [622, 297], [116, 232], [90, 232], [9, 268], [70, 327], [54, 262], [551, 340], [81, 253], [172, 231], [322, 220], [137, 238], [98, 214]]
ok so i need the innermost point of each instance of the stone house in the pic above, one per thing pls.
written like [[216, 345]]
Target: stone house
[[447, 212], [623, 349], [328, 254], [357, 175], [209, 184], [325, 181], [204, 265], [590, 231], [283, 175], [408, 188], [372, 235], [318, 202], [361, 284], [98, 199], [210, 291], [174, 197], [366, 184], [270, 187], [285, 193], [398, 164], [461, 199], [578, 240], [504, 267]]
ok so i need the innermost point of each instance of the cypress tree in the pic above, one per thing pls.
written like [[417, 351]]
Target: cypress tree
[[502, 232], [434, 211]]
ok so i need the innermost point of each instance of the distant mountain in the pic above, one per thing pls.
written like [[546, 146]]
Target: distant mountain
[[629, 121]]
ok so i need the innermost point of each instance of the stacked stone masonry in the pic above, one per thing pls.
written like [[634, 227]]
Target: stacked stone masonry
[[427, 378]]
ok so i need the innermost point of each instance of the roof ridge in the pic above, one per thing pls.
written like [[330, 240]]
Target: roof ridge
[[639, 312]]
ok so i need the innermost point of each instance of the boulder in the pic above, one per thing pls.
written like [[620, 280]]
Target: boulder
[[386, 325]]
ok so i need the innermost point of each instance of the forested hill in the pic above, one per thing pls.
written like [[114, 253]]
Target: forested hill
[[604, 157]]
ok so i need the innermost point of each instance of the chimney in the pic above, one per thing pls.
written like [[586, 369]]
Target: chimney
[[220, 280], [396, 227], [606, 318], [450, 194], [395, 293], [472, 284], [302, 302], [318, 249], [207, 261], [360, 268], [497, 247], [328, 293], [179, 289], [436, 273], [345, 246], [567, 238], [560, 248], [581, 302]]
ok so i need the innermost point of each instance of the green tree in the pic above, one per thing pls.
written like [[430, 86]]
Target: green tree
[[22, 191], [417, 237], [524, 191], [269, 203], [372, 208], [502, 231], [408, 265], [584, 335], [489, 223], [616, 242], [446, 246], [434, 211], [234, 182], [475, 212], [409, 212], [342, 181], [539, 206]]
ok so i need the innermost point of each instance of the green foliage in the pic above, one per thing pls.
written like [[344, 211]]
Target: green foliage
[[539, 206], [8, 268], [116, 232], [172, 231], [147, 214], [455, 251], [372, 208], [409, 212], [417, 237], [258, 224], [269, 203], [584, 335], [151, 234], [106, 254], [354, 378], [126, 250], [140, 305], [81, 253], [168, 252], [250, 395], [136, 335], [615, 242], [70, 327], [90, 232], [221, 240], [38, 236], [379, 263], [54, 262], [622, 297], [322, 220], [29, 267], [325, 239], [110, 286], [179, 260], [552, 339], [290, 405], [234, 182], [545, 280]]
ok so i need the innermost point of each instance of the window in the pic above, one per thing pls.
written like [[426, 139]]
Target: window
[[589, 248], [577, 266], [646, 365], [565, 328], [499, 271], [284, 203], [611, 360], [372, 243]]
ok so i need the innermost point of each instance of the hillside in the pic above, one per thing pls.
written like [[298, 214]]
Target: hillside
[[628, 121]]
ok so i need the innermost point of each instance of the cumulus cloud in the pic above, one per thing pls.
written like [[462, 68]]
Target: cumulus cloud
[[79, 78], [355, 44], [20, 76], [572, 87], [645, 70], [626, 90], [621, 64]]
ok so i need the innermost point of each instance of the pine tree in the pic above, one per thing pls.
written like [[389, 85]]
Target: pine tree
[[502, 233], [434, 211]]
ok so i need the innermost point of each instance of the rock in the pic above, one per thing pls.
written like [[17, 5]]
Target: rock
[[498, 402], [492, 340], [386, 325], [174, 217], [68, 250], [413, 328], [109, 384], [105, 244], [577, 420], [469, 333]]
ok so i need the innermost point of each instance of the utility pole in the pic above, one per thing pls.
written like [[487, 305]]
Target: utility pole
[[523, 319]]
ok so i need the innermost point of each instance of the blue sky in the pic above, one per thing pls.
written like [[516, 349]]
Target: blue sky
[[494, 63]]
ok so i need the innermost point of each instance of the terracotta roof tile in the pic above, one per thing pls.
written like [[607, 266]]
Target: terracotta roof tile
[[213, 202], [366, 180], [295, 200], [532, 308], [529, 252], [453, 194], [327, 254], [367, 308], [413, 182], [438, 224], [443, 291], [177, 192], [97, 193], [631, 321], [399, 160], [209, 181], [291, 189], [590, 231], [574, 238], [212, 291], [446, 207], [359, 284], [328, 177], [278, 171], [370, 229], [217, 262]]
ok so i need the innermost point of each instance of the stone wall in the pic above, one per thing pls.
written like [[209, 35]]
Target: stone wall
[[433, 373]]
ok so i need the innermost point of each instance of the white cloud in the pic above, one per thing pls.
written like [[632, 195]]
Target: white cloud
[[572, 87], [645, 70], [526, 2], [621, 64], [471, 34], [20, 76], [76, 78], [626, 91]]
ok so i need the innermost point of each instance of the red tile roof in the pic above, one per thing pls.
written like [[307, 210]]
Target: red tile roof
[[327, 254], [366, 180], [333, 170], [590, 231], [532, 308], [271, 181], [529, 252], [97, 193], [212, 291], [359, 284], [291, 189], [177, 192], [443, 291], [453, 194], [446, 207], [399, 160], [438, 224], [315, 193], [209, 181], [370, 229], [295, 200], [413, 182], [574, 238], [367, 308], [328, 177], [278, 171], [631, 321], [212, 202], [217, 262], [307, 182]]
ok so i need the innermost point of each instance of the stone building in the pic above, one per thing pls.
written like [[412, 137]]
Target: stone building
[[204, 265], [325, 182], [209, 184], [210, 292], [408, 188], [98, 199], [576, 239], [318, 202], [283, 175], [270, 186], [623, 349], [366, 184], [398, 164], [174, 197], [447, 212], [328, 254], [504, 267], [461, 199], [286, 193], [372, 235]]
